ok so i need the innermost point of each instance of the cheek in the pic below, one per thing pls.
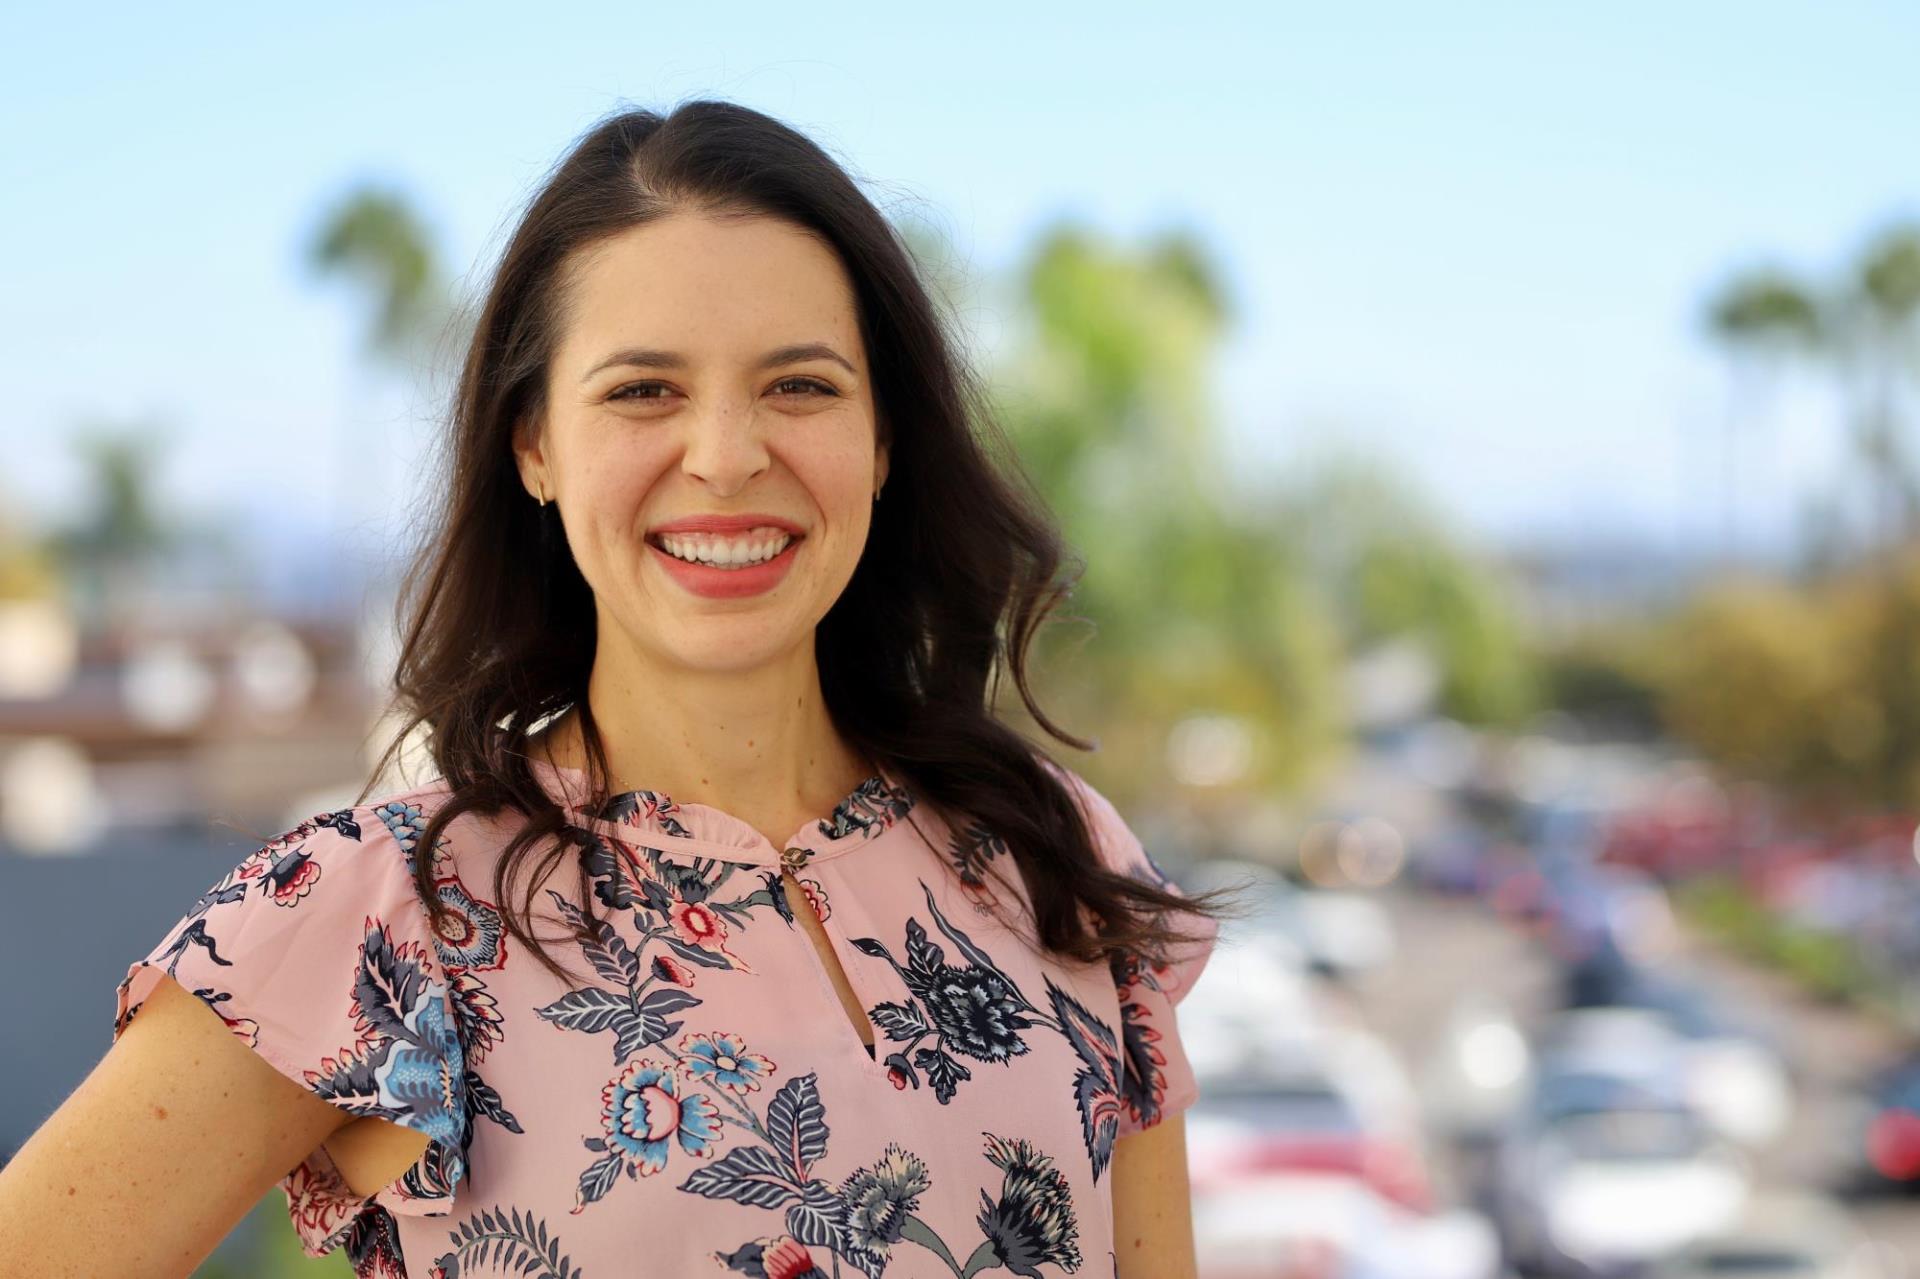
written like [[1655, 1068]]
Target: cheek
[[610, 497], [839, 478]]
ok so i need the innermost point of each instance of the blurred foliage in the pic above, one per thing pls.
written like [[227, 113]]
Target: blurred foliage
[[1812, 688], [1600, 678], [122, 523], [1391, 565], [118, 551], [27, 567], [1814, 685], [1198, 609], [1823, 962], [374, 238], [1765, 314], [1428, 587], [1211, 594], [1861, 327]]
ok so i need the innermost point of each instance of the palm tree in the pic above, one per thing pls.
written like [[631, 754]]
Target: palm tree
[[374, 239], [1760, 319], [108, 551], [1876, 319]]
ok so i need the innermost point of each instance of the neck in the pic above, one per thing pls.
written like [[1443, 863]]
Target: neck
[[756, 743]]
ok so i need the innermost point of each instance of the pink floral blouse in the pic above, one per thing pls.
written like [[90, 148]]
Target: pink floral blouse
[[701, 1104]]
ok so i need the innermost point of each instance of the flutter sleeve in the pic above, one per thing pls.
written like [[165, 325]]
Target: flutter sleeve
[[317, 953], [1157, 1079]]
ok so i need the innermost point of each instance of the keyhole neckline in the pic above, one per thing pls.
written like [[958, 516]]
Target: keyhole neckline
[[655, 819]]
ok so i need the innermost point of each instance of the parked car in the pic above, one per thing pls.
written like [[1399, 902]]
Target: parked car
[[1281, 1225], [1335, 1103], [1880, 1129], [1313, 1165], [1734, 1072], [1609, 1168], [1779, 1235]]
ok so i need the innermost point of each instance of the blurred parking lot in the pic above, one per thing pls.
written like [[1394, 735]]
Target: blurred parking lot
[[1514, 1055]]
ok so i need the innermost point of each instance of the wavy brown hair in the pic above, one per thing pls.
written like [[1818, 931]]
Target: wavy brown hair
[[962, 564]]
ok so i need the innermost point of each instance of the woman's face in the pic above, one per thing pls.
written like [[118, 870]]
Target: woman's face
[[710, 368]]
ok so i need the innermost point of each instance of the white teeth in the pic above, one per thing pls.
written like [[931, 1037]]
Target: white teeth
[[757, 546]]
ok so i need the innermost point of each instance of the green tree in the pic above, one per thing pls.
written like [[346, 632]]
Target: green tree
[[1864, 328], [121, 539], [1760, 319], [1202, 605], [1391, 566], [375, 239]]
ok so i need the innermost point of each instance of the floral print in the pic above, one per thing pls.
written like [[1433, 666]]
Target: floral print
[[723, 1059], [695, 1098], [647, 1112]]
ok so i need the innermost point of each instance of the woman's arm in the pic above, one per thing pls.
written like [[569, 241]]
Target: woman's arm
[[1153, 1203], [171, 1139]]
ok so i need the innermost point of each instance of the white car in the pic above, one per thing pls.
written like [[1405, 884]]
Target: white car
[[1780, 1235], [1739, 1086], [1599, 1172]]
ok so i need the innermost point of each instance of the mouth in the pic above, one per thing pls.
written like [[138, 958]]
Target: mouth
[[732, 552]]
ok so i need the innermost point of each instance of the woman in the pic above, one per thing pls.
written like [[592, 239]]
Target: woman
[[845, 975]]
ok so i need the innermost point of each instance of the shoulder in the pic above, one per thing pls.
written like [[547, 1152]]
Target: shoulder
[[462, 844], [1090, 799], [1118, 847]]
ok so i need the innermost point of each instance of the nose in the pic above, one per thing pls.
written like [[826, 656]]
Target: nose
[[724, 448]]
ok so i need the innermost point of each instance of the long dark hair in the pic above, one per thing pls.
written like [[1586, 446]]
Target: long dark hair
[[962, 565]]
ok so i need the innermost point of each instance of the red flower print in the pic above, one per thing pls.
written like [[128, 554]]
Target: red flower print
[[669, 969], [287, 875], [319, 1203], [1144, 1086], [633, 869], [698, 924], [816, 897], [245, 1027], [787, 1258]]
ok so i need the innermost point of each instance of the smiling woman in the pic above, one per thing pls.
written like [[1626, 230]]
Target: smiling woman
[[739, 408], [849, 976]]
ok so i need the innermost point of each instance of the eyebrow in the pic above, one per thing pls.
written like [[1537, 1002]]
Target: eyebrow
[[642, 357]]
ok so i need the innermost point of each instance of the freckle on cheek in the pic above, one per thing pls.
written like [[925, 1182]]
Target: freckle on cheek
[[159, 1112]]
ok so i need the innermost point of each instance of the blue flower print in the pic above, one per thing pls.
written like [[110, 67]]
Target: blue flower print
[[473, 934], [720, 1058], [645, 1114], [406, 821], [423, 1076]]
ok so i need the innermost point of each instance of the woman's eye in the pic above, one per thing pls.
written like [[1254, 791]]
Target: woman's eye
[[623, 392], [791, 385], [814, 385]]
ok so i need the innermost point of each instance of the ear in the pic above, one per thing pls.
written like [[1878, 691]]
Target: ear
[[530, 459], [880, 462]]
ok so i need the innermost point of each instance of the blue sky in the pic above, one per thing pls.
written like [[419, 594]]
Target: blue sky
[[1471, 239]]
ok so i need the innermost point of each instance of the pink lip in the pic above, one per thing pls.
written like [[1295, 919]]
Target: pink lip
[[725, 524], [726, 583]]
